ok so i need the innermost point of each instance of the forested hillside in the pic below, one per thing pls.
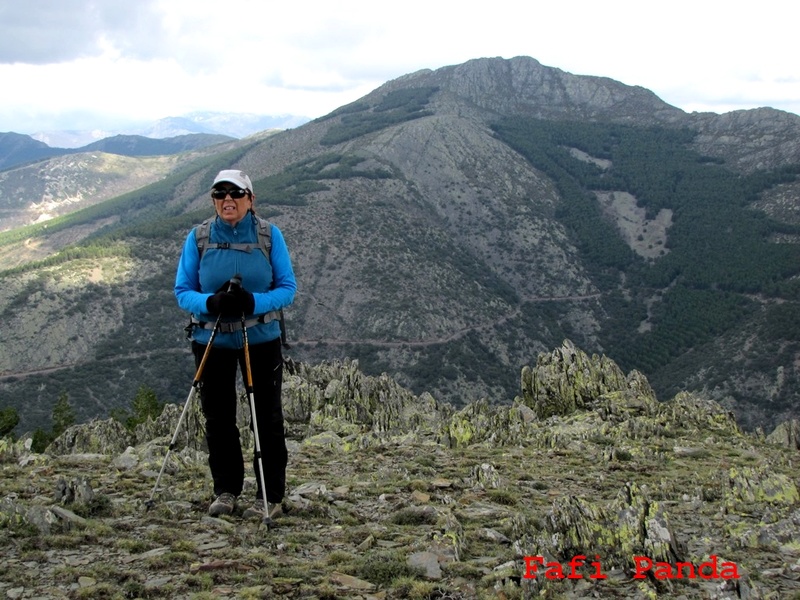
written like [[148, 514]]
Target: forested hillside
[[719, 253]]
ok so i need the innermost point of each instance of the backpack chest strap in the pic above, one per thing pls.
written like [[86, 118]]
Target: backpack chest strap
[[228, 246], [231, 326]]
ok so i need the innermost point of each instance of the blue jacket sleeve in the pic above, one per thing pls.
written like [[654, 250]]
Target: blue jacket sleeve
[[284, 284], [187, 278]]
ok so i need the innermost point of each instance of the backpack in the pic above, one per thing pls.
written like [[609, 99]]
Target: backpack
[[202, 234]]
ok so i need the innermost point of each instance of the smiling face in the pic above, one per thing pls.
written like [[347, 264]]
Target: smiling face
[[233, 206]]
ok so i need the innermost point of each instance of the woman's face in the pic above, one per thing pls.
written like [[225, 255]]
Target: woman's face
[[231, 210]]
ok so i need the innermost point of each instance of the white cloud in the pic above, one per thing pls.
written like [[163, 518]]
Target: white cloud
[[156, 58], [42, 31]]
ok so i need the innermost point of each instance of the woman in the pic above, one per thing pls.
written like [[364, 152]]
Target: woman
[[226, 270]]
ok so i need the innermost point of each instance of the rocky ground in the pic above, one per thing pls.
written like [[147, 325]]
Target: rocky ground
[[395, 496]]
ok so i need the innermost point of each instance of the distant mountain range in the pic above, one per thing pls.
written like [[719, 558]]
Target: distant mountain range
[[237, 125], [164, 137], [17, 149]]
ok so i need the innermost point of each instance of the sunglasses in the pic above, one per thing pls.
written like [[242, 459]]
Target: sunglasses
[[235, 193]]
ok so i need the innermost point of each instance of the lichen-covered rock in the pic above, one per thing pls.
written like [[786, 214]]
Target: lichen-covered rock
[[480, 422], [486, 476], [99, 437], [761, 485], [567, 380], [12, 513], [191, 432], [448, 542], [631, 525], [778, 535], [77, 490], [45, 519], [644, 527], [786, 434], [467, 426], [13, 450], [639, 400], [337, 396], [111, 437], [692, 412]]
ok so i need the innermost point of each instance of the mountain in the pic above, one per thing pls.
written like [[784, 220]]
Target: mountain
[[165, 136], [16, 149], [46, 188], [445, 229], [236, 125], [136, 145], [393, 495]]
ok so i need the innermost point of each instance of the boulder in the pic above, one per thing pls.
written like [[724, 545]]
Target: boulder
[[786, 434]]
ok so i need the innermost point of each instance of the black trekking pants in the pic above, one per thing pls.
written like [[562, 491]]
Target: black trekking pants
[[218, 397]]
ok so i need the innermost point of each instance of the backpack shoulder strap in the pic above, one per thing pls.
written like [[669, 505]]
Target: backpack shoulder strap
[[201, 233], [265, 243], [264, 235]]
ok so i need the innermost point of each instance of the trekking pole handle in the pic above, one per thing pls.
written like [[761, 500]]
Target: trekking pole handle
[[236, 280]]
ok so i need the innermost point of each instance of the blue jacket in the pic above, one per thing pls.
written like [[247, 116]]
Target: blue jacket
[[271, 282]]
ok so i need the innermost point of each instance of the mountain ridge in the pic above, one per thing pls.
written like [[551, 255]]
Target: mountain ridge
[[415, 219], [17, 149], [237, 125]]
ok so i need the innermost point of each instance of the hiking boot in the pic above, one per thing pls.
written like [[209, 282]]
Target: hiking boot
[[222, 505], [259, 511]]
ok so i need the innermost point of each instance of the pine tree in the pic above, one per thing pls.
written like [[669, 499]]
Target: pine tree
[[146, 405], [9, 419], [63, 416]]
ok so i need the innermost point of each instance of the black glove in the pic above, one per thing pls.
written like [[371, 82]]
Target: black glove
[[232, 300], [225, 304], [246, 301]]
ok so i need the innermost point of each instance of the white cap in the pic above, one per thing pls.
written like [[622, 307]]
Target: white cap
[[235, 177]]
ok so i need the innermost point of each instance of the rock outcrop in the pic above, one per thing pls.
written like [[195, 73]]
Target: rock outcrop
[[786, 434], [392, 495]]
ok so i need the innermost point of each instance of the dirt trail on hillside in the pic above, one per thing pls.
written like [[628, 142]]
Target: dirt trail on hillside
[[327, 341]]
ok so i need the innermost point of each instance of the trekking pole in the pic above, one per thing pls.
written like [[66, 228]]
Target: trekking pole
[[149, 503], [249, 388]]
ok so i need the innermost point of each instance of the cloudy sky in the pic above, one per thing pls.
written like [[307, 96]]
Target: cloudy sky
[[85, 64]]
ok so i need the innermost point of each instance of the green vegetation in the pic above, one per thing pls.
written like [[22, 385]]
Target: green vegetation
[[146, 405], [719, 248], [716, 240], [382, 568], [291, 185], [90, 250], [347, 109], [783, 321], [62, 417], [396, 107], [9, 418], [683, 319]]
